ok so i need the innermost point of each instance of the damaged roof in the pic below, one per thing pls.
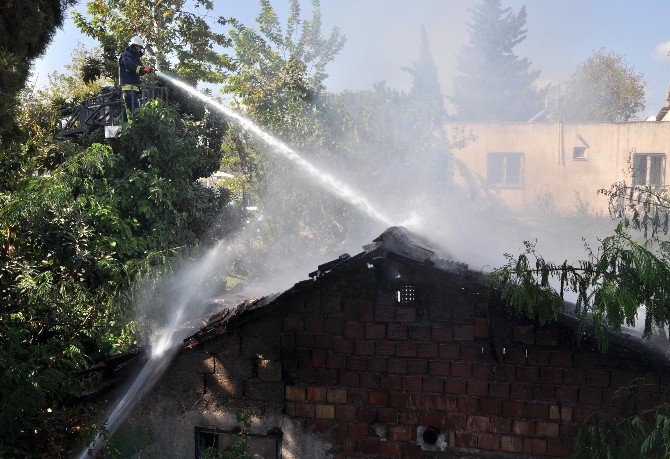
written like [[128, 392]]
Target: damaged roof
[[401, 245]]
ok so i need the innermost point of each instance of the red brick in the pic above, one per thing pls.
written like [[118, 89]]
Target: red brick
[[387, 449], [551, 375], [392, 382], [490, 406], [472, 353], [477, 423], [535, 446], [353, 330], [336, 395], [343, 346], [558, 448], [376, 365], [566, 394], [515, 356], [395, 331], [547, 429], [406, 349], [399, 433], [383, 313], [439, 367], [514, 408], [522, 391], [369, 380], [455, 386], [622, 379], [481, 327], [418, 366], [432, 419], [574, 377], [314, 323], [480, 388], [499, 389], [560, 359], [450, 351], [366, 414], [464, 333], [318, 358], [388, 415], [584, 360], [326, 377], [423, 401], [537, 410], [411, 451], [405, 314], [397, 366], [536, 357], [590, 396], [433, 385], [454, 421], [528, 374], [357, 430], [412, 383], [338, 362], [482, 370], [316, 394], [378, 398], [598, 378], [463, 369], [465, 439], [409, 418], [365, 347], [334, 326], [500, 425], [348, 378], [545, 392], [375, 331], [467, 404], [488, 441], [304, 410], [441, 333], [445, 403], [356, 363], [399, 399], [511, 444], [523, 428], [385, 348], [524, 334], [368, 446], [419, 333], [427, 350]]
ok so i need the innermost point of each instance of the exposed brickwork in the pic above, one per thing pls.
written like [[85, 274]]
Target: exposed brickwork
[[349, 356]]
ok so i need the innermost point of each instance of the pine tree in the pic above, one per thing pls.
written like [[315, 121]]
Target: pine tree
[[495, 84]]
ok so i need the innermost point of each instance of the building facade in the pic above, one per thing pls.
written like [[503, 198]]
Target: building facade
[[561, 164]]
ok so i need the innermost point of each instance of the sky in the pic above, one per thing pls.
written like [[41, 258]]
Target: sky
[[383, 36]]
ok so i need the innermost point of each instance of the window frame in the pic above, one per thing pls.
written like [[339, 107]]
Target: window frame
[[505, 155], [648, 173], [584, 149]]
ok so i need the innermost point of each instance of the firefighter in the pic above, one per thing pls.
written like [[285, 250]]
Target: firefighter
[[130, 70]]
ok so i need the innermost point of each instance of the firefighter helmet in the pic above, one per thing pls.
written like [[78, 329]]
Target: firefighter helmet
[[136, 40]]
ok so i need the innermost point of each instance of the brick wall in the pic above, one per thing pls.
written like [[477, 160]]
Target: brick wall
[[372, 371]]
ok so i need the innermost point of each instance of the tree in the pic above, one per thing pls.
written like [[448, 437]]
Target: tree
[[26, 29], [179, 39], [71, 244], [604, 88], [494, 83]]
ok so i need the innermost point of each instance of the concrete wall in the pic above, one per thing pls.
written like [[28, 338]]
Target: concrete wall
[[549, 168]]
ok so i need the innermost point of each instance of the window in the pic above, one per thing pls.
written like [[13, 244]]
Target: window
[[505, 169], [205, 439], [259, 445], [648, 169], [579, 153]]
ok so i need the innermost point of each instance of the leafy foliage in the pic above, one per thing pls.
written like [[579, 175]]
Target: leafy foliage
[[26, 28], [494, 83], [73, 242], [240, 448], [604, 88], [176, 31]]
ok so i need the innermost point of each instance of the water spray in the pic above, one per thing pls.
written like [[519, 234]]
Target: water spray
[[327, 181]]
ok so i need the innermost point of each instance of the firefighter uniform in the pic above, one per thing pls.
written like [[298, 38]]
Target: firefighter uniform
[[130, 69]]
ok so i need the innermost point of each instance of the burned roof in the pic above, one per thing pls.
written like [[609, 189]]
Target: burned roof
[[396, 242]]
